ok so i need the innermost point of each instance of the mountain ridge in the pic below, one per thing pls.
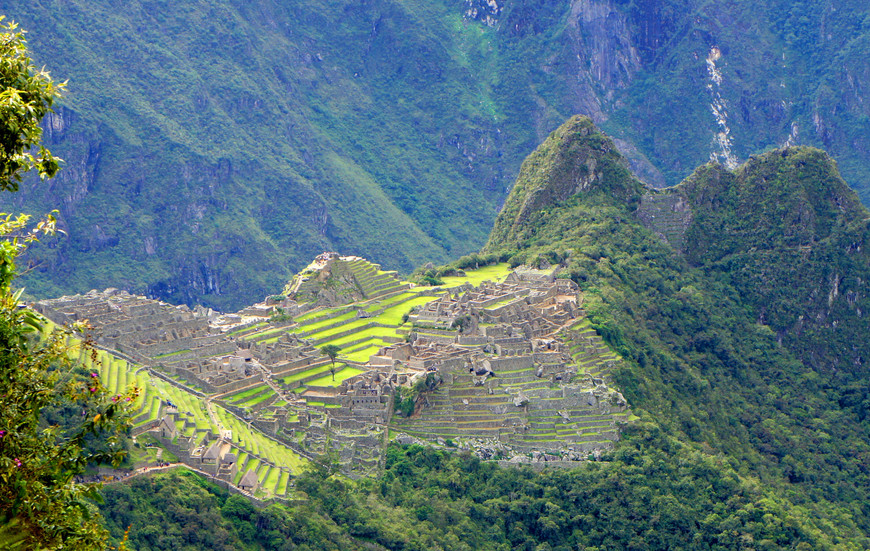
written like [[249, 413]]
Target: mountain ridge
[[739, 354]]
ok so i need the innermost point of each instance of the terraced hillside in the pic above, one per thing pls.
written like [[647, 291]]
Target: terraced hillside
[[333, 279], [526, 405], [196, 420], [493, 359]]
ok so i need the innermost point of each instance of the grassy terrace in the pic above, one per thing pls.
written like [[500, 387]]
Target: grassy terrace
[[116, 375], [251, 328], [393, 315], [245, 394], [494, 272], [258, 399], [187, 404], [378, 305], [369, 333], [362, 354], [340, 376], [306, 373], [353, 324], [315, 315], [318, 323], [255, 443]]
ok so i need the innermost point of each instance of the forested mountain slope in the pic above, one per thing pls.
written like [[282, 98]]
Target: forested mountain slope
[[212, 149], [751, 342]]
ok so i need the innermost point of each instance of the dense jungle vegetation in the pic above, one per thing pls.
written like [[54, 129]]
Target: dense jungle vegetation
[[653, 493]]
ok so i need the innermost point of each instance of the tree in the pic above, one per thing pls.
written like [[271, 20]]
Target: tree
[[332, 351], [26, 96], [42, 506]]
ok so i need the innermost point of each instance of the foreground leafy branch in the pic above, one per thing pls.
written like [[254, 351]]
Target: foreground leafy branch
[[42, 505]]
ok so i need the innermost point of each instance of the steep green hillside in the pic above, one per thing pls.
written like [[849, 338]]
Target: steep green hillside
[[742, 345], [213, 149], [791, 237], [654, 494]]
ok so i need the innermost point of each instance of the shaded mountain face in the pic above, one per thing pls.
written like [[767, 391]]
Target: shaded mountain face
[[739, 299], [212, 150]]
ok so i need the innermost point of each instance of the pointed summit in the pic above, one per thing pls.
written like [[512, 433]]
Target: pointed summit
[[575, 159]]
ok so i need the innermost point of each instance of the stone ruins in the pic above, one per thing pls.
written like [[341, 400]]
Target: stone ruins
[[510, 370]]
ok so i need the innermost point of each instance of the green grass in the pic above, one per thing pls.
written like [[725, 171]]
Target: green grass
[[258, 399], [393, 315], [493, 272], [254, 442], [317, 325], [281, 488], [243, 329], [303, 374], [264, 333], [340, 329], [387, 302], [272, 480], [369, 332], [340, 377], [246, 393], [363, 354], [315, 314]]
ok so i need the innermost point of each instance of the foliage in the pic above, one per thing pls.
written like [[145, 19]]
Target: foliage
[[791, 237], [52, 413], [52, 409], [331, 351], [280, 316], [405, 398], [652, 493], [26, 96], [431, 275], [180, 510], [701, 360]]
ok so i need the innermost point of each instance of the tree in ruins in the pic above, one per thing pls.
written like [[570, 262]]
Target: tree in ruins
[[332, 351]]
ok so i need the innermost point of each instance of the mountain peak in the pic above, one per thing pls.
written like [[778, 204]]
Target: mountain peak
[[576, 158]]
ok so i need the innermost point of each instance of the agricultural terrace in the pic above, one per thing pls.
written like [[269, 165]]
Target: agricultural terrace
[[116, 375], [253, 442], [494, 272], [342, 373]]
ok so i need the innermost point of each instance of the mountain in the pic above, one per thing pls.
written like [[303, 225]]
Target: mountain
[[212, 150], [738, 297], [733, 309]]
